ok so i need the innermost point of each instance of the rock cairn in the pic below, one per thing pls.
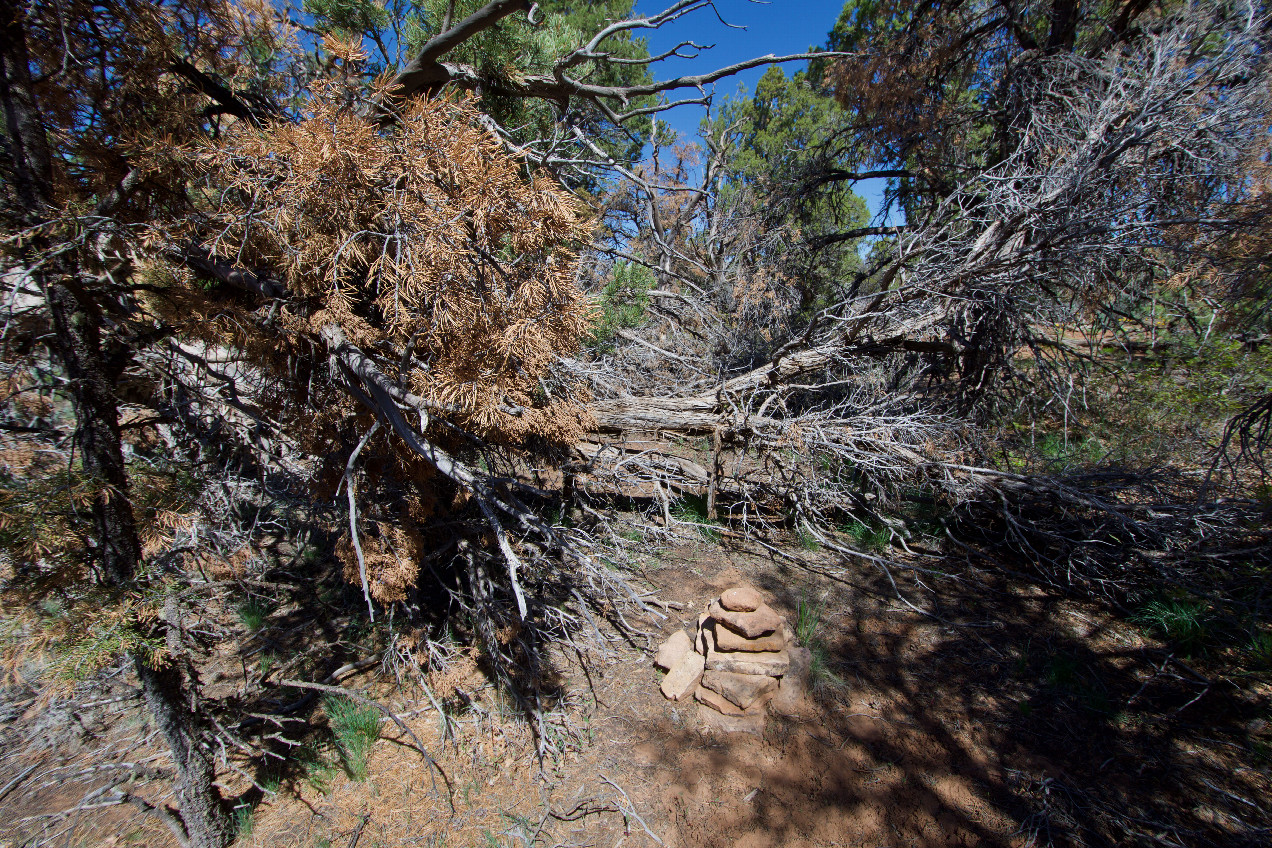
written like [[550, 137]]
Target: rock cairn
[[741, 660]]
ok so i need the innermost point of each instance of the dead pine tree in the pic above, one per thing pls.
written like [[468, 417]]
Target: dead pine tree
[[354, 279], [362, 269]]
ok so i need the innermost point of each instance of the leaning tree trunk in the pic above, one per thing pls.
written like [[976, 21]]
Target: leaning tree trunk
[[204, 813], [170, 696], [76, 345]]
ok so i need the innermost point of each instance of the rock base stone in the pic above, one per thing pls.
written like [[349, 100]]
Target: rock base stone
[[792, 692], [683, 677], [742, 690], [673, 650]]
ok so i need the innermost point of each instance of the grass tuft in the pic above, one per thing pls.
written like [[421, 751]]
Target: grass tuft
[[1181, 622], [807, 541], [1260, 650], [355, 728], [632, 534], [252, 614], [872, 538], [1061, 453], [692, 509], [244, 821], [319, 770], [808, 619]]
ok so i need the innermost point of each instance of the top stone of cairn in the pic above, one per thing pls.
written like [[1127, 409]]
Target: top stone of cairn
[[750, 624], [741, 599]]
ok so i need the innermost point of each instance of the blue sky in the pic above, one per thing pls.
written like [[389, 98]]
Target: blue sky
[[780, 27]]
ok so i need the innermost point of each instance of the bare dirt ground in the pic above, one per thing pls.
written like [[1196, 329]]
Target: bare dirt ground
[[994, 714]]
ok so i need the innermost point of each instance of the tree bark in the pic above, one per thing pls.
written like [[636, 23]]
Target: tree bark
[[204, 813], [77, 346]]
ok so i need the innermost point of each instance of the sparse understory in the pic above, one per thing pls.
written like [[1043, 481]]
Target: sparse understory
[[383, 379]]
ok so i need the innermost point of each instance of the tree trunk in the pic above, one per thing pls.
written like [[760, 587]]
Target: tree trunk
[[171, 698], [76, 342], [76, 345], [204, 813]]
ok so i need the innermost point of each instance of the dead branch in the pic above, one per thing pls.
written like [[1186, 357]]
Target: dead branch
[[427, 72]]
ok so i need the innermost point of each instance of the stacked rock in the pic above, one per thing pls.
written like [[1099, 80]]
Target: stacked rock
[[741, 657]]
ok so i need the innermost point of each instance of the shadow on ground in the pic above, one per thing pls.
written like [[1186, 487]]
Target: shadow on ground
[[1006, 716]]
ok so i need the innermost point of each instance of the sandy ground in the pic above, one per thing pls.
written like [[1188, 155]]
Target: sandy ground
[[996, 716]]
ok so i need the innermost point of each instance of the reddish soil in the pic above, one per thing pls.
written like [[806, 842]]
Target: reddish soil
[[998, 716]]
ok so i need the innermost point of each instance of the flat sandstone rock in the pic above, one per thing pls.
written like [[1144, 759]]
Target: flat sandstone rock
[[741, 599], [728, 640], [742, 690], [792, 693], [706, 635], [671, 651], [716, 701], [769, 663], [683, 677], [759, 622]]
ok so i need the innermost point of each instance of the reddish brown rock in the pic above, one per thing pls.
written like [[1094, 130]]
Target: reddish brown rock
[[716, 701], [721, 704], [728, 640], [672, 650], [741, 599], [705, 643], [768, 663], [759, 622], [792, 692], [684, 677], [743, 690]]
